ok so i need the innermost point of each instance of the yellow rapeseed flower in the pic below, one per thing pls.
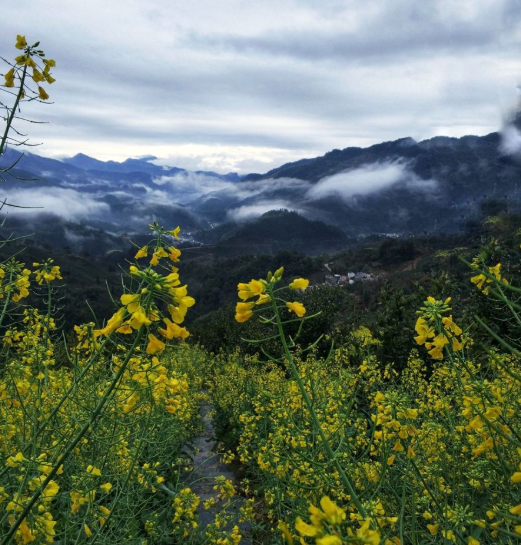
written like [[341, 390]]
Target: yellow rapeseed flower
[[154, 345], [49, 63], [451, 326], [142, 252], [174, 254], [9, 78], [173, 331], [332, 513], [243, 311], [42, 94], [175, 232], [297, 308], [299, 284], [157, 255], [21, 42], [139, 318], [308, 530], [433, 528], [283, 527], [27, 534], [50, 490], [37, 75], [516, 477], [113, 323], [106, 487], [424, 331], [328, 540], [250, 289]]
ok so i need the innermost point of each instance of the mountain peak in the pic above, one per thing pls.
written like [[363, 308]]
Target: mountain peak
[[83, 161], [406, 142]]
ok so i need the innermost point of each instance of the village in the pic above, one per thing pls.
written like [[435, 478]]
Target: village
[[349, 278]]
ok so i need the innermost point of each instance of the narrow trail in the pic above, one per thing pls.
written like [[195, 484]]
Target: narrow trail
[[208, 466]]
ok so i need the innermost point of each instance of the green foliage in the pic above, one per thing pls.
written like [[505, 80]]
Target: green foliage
[[394, 325]]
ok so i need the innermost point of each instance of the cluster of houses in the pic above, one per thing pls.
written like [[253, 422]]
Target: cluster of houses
[[349, 278]]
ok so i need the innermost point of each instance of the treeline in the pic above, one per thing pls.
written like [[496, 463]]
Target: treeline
[[406, 270]]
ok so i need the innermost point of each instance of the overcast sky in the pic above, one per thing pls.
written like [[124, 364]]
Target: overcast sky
[[248, 85]]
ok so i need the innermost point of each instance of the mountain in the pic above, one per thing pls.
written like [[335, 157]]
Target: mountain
[[275, 231], [441, 183], [396, 188], [425, 155]]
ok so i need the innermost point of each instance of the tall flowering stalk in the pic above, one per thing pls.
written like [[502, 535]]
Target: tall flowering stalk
[[31, 64], [263, 297], [98, 415]]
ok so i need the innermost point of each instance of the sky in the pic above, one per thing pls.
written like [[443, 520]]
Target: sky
[[246, 86]]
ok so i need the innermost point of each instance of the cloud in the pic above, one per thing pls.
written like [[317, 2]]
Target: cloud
[[277, 80], [511, 141], [373, 31], [186, 187], [227, 158], [65, 203], [262, 196], [368, 180], [270, 186], [249, 212]]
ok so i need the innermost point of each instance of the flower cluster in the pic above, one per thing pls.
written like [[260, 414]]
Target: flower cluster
[[15, 278], [435, 331], [264, 291], [143, 307], [485, 281], [326, 526], [47, 272], [30, 58], [396, 435]]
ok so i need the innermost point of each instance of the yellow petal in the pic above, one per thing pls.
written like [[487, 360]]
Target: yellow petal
[[42, 95], [20, 42], [154, 345]]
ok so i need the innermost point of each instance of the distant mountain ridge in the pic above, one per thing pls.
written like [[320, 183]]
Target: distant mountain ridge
[[397, 187], [337, 160], [142, 164], [82, 162], [467, 171]]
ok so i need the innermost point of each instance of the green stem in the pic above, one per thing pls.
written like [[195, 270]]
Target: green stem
[[127, 479], [441, 511], [309, 405], [13, 111], [7, 300], [38, 492], [62, 400]]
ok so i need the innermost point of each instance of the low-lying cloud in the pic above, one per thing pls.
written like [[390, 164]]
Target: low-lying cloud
[[359, 182], [368, 180], [66, 203], [511, 141], [188, 193], [187, 187], [252, 211]]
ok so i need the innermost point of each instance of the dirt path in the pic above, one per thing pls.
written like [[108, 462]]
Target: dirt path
[[207, 466]]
